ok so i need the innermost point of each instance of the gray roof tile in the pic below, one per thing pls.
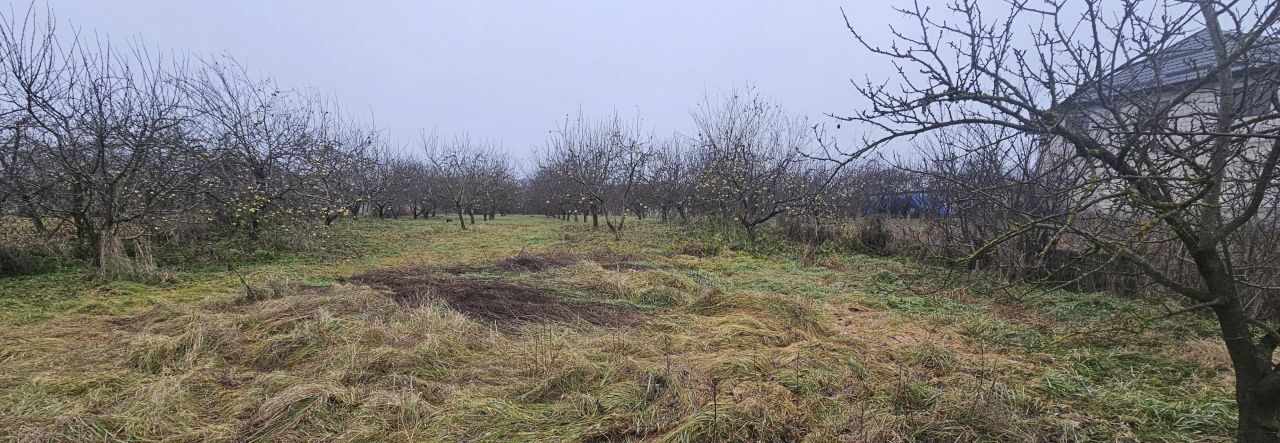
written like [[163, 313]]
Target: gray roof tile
[[1187, 60]]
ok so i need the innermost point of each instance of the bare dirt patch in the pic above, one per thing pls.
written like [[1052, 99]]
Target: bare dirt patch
[[522, 263], [526, 262], [492, 300], [531, 262]]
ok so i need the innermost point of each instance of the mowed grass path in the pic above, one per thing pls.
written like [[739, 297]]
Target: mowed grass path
[[724, 345]]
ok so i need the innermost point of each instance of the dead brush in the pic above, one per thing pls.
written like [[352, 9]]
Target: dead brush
[[792, 312], [404, 411], [116, 263], [296, 342], [546, 349], [272, 287], [180, 344], [169, 354], [294, 404], [910, 395], [438, 336], [614, 253], [873, 236], [526, 261], [658, 287], [933, 357], [362, 365]]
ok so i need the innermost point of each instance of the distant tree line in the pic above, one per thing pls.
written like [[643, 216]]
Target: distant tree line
[[123, 147], [748, 163]]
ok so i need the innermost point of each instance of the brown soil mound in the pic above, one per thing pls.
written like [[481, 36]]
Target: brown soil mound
[[525, 262], [522, 262], [491, 300], [542, 261]]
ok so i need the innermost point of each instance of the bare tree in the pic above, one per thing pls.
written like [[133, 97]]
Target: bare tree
[[263, 139], [1147, 147], [106, 131], [671, 182], [606, 161], [466, 170], [752, 157], [33, 59], [125, 146], [345, 174], [550, 191]]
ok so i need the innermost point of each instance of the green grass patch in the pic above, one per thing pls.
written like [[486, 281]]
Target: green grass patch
[[736, 341]]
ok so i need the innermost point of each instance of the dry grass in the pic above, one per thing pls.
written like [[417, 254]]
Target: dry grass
[[1209, 354], [727, 347], [351, 363]]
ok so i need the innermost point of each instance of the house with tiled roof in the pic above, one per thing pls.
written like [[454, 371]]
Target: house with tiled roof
[[1143, 86], [1159, 109]]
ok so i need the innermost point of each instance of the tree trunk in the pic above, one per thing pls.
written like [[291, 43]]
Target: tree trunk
[[472, 214], [1257, 384], [93, 241], [29, 210], [1257, 380], [461, 221], [112, 261], [595, 218], [86, 239]]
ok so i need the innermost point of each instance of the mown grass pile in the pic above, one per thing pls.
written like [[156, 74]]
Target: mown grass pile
[[718, 346]]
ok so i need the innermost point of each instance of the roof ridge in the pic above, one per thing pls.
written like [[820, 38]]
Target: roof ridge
[[1177, 63]]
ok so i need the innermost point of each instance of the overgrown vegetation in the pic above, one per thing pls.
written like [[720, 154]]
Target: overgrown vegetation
[[189, 237], [733, 342]]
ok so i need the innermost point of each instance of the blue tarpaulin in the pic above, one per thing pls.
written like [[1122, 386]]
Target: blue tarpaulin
[[907, 204]]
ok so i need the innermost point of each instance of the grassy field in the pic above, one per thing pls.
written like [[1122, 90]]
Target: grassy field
[[533, 329]]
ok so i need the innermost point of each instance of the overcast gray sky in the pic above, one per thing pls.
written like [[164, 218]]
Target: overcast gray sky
[[510, 70]]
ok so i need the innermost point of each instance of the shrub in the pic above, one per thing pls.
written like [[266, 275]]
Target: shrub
[[24, 251], [873, 236]]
